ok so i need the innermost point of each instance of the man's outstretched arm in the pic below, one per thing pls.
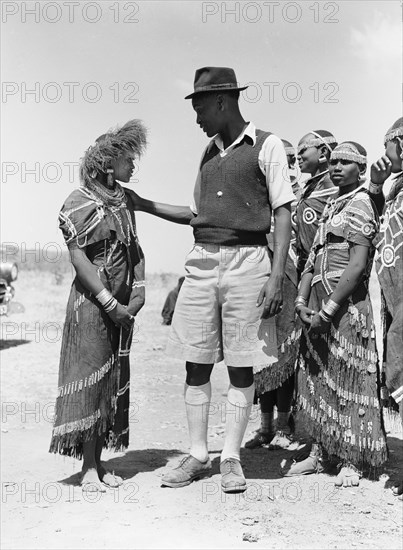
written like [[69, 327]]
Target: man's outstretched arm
[[170, 212]]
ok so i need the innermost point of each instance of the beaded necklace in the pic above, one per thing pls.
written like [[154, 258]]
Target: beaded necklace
[[110, 197]]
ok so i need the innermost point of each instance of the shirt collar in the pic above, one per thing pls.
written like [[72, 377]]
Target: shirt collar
[[248, 131]]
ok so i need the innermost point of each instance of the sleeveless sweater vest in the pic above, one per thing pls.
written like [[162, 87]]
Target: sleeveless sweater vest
[[234, 206]]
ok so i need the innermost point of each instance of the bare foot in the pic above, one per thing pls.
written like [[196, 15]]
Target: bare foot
[[110, 479], [348, 477], [91, 483]]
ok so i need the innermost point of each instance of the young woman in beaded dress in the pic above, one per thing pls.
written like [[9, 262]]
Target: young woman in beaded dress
[[389, 264], [98, 224], [338, 378]]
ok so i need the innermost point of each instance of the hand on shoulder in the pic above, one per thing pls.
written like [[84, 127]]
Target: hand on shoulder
[[135, 198]]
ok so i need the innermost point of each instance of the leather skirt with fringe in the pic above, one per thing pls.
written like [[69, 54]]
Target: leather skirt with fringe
[[94, 379], [288, 331], [338, 383]]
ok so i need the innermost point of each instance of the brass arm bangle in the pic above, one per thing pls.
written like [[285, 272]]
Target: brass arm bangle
[[300, 301], [107, 301], [104, 296], [375, 188], [330, 308], [323, 315], [110, 305]]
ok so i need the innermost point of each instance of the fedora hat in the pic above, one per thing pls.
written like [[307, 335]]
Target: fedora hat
[[214, 79]]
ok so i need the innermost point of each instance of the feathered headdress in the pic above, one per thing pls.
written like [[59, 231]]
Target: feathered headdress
[[131, 137]]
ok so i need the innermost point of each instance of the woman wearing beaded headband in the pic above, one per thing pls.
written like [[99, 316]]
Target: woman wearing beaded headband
[[389, 262], [338, 381], [275, 384], [98, 224], [314, 151]]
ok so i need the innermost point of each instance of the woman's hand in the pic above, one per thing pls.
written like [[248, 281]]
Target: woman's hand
[[121, 317], [318, 325], [381, 170], [305, 314]]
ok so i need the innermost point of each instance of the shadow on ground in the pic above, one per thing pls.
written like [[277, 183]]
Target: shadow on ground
[[394, 465], [132, 463], [6, 344]]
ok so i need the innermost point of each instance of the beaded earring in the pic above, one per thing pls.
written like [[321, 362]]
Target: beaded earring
[[109, 177]]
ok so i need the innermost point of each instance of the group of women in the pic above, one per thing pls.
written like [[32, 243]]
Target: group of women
[[328, 363], [327, 351]]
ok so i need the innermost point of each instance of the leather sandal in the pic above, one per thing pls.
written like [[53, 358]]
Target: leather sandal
[[310, 465]]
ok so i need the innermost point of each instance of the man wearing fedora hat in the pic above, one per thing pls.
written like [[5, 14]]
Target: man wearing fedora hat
[[232, 291]]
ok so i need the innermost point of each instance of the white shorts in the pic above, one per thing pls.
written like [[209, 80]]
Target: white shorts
[[216, 316]]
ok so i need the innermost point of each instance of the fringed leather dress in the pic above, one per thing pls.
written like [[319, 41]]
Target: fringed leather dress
[[94, 377], [389, 266], [288, 326], [338, 378]]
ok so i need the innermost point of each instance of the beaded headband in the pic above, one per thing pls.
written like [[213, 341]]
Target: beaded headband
[[392, 134], [347, 151], [289, 150], [315, 142], [131, 137]]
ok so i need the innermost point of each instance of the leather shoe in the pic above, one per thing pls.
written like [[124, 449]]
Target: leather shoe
[[190, 469], [232, 478]]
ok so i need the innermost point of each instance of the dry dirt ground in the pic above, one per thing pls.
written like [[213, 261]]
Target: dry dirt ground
[[43, 506]]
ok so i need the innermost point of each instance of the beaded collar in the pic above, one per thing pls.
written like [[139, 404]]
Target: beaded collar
[[110, 197]]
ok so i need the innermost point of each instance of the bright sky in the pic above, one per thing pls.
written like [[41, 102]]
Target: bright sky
[[313, 65]]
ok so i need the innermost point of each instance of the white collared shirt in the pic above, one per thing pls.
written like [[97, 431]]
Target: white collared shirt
[[272, 162]]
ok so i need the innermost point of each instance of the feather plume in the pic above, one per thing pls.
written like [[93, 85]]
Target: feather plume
[[131, 137]]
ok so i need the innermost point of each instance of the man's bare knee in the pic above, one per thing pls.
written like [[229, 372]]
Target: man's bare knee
[[198, 374], [241, 377]]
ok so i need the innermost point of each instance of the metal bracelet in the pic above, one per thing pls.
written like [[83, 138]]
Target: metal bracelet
[[110, 305], [323, 315], [375, 188], [104, 296], [299, 301], [330, 308]]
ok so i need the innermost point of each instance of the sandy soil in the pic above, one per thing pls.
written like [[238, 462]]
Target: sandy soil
[[43, 506]]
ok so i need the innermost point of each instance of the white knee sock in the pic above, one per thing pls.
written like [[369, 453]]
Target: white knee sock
[[197, 400], [239, 404]]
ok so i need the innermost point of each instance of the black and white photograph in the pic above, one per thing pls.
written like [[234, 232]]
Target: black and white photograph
[[201, 275]]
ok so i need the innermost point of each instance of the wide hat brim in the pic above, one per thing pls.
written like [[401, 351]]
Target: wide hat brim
[[216, 88]]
